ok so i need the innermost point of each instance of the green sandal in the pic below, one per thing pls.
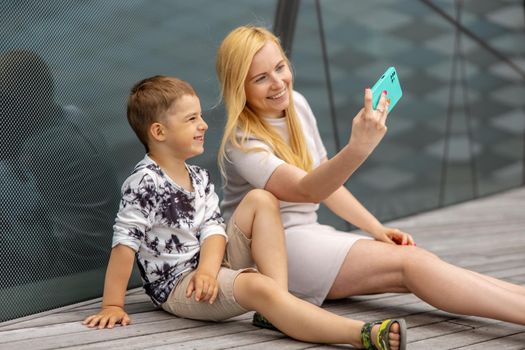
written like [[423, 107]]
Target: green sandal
[[261, 322], [382, 335]]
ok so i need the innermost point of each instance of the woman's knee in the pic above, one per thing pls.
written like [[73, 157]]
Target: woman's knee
[[252, 202], [257, 286], [415, 257], [259, 197]]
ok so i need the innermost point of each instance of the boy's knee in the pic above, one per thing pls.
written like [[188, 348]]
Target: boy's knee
[[262, 197]]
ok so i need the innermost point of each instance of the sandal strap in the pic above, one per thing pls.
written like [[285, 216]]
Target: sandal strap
[[366, 335], [383, 334]]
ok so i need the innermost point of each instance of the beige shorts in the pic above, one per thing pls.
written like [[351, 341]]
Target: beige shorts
[[238, 259]]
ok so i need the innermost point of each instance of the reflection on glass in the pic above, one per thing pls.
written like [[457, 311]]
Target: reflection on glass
[[48, 171], [59, 190]]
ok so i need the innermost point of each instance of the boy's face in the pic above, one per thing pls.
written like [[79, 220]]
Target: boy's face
[[185, 128]]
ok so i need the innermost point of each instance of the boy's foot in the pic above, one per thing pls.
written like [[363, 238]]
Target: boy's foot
[[384, 335], [261, 322]]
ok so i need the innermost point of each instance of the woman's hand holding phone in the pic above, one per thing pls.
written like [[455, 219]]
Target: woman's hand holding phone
[[388, 82], [368, 126]]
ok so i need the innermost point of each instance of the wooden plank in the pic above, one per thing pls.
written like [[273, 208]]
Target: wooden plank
[[469, 338], [73, 316], [281, 344], [79, 334], [61, 313], [511, 342], [209, 336], [225, 341], [73, 327], [434, 330]]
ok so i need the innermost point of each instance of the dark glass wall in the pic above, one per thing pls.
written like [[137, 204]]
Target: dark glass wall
[[65, 71]]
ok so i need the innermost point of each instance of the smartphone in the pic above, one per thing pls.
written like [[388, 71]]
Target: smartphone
[[389, 81]]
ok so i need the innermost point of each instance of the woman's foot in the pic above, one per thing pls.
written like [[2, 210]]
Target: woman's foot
[[384, 335]]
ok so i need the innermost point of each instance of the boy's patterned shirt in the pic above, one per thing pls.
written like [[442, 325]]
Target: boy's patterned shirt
[[165, 224]]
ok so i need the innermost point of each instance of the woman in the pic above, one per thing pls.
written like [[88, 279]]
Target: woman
[[271, 141]]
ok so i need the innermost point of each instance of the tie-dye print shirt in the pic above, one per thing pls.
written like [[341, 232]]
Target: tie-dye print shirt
[[165, 224]]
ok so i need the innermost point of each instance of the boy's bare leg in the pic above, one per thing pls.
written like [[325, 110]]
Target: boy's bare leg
[[258, 216], [298, 318]]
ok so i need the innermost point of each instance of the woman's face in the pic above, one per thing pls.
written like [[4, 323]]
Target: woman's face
[[268, 82]]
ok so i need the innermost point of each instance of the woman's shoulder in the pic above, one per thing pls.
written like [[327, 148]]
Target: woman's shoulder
[[303, 109], [301, 104], [247, 139], [299, 99]]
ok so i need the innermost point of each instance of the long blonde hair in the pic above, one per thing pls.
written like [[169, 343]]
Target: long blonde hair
[[234, 58]]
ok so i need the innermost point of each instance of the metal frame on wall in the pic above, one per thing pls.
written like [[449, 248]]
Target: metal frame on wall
[[285, 22]]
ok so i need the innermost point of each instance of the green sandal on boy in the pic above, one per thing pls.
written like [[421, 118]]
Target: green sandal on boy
[[261, 322], [383, 334]]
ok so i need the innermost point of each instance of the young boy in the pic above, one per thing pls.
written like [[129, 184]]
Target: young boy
[[169, 219]]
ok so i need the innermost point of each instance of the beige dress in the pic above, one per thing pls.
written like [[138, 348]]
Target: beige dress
[[315, 252]]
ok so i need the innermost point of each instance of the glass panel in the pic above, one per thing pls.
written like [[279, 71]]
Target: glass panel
[[458, 130], [309, 80], [66, 144], [491, 101]]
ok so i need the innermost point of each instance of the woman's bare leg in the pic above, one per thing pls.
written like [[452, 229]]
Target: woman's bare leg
[[514, 288], [376, 267], [298, 318], [258, 216]]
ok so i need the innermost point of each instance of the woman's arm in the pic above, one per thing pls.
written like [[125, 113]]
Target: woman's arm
[[291, 184], [343, 204]]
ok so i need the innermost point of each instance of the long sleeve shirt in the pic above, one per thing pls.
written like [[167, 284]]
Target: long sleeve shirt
[[166, 224]]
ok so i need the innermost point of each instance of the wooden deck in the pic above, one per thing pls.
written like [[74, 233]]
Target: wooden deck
[[486, 235]]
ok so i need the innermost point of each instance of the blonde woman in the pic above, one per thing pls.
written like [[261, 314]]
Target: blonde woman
[[271, 141]]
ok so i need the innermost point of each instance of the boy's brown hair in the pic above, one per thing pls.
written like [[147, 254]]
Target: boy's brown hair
[[150, 99]]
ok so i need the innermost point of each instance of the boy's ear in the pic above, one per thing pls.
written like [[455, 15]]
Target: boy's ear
[[156, 131]]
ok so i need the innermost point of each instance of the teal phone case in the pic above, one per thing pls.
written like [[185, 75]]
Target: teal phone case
[[389, 81]]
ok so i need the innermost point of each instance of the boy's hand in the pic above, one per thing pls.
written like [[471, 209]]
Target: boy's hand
[[204, 285], [108, 317]]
